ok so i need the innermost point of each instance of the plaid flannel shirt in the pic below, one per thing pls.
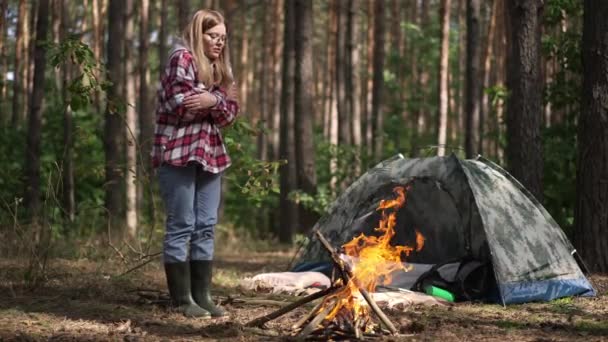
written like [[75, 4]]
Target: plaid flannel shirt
[[182, 136]]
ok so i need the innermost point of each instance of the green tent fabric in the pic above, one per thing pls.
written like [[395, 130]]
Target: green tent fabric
[[466, 209]]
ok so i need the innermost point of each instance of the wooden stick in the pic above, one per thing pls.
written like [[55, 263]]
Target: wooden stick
[[357, 329], [305, 319], [347, 275], [313, 324], [261, 320]]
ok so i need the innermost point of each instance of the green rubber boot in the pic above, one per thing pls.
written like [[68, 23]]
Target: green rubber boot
[[178, 281], [201, 286]]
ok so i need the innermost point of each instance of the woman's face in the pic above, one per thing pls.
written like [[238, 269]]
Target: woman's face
[[214, 41]]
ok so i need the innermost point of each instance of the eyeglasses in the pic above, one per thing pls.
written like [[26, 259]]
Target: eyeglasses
[[217, 37]]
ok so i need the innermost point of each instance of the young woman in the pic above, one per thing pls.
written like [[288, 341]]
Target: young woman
[[197, 97]]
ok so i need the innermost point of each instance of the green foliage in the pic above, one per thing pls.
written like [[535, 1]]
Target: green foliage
[[253, 183], [83, 87]]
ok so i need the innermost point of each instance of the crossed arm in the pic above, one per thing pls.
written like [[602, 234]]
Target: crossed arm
[[190, 103]]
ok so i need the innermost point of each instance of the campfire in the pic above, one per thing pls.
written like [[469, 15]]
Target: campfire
[[346, 309]]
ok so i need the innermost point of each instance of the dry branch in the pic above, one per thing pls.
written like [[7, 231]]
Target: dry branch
[[347, 274], [261, 320]]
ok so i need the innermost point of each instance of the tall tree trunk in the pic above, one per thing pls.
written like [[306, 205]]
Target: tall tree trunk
[[262, 141], [303, 105], [472, 74], [328, 74], [183, 14], [276, 72], [485, 109], [524, 108], [444, 69], [3, 57], [354, 79], [32, 155], [19, 65], [369, 89], [114, 130], [146, 113], [244, 66], [415, 82], [341, 70], [394, 52], [131, 122], [591, 212], [462, 65], [332, 110], [28, 56], [500, 49], [288, 172], [162, 33], [68, 196], [420, 117], [378, 78]]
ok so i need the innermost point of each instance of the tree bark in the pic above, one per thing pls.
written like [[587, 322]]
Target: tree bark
[[341, 70], [145, 111], [131, 122], [472, 75], [114, 130], [524, 107], [415, 82], [591, 212], [264, 79], [369, 88], [419, 119], [276, 79], [3, 57], [378, 78], [444, 69], [303, 108], [354, 78], [32, 155], [288, 175], [462, 66], [19, 65], [485, 108], [68, 195]]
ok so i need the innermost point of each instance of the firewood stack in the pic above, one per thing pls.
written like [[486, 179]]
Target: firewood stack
[[345, 313], [345, 324]]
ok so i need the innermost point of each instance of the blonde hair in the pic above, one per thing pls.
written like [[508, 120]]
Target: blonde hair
[[192, 36]]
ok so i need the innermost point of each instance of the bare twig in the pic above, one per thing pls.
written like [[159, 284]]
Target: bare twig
[[152, 258]]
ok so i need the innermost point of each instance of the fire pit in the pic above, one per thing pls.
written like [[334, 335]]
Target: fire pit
[[346, 309]]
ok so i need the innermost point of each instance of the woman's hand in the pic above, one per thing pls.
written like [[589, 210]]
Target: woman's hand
[[200, 101], [233, 93]]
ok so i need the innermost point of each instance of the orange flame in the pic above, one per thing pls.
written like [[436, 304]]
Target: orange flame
[[377, 259]]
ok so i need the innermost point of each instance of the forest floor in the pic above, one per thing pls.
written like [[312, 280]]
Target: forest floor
[[84, 300]]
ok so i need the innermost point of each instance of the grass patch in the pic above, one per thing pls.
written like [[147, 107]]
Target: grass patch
[[592, 328]]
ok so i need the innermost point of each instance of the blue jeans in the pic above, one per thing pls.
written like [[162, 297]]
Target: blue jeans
[[192, 197]]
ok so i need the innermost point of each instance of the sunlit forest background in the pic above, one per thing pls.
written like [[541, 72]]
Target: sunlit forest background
[[328, 88]]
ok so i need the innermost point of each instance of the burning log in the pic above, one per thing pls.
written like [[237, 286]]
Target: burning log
[[347, 275]]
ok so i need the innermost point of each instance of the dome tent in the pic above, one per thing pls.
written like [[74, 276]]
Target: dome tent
[[466, 210]]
